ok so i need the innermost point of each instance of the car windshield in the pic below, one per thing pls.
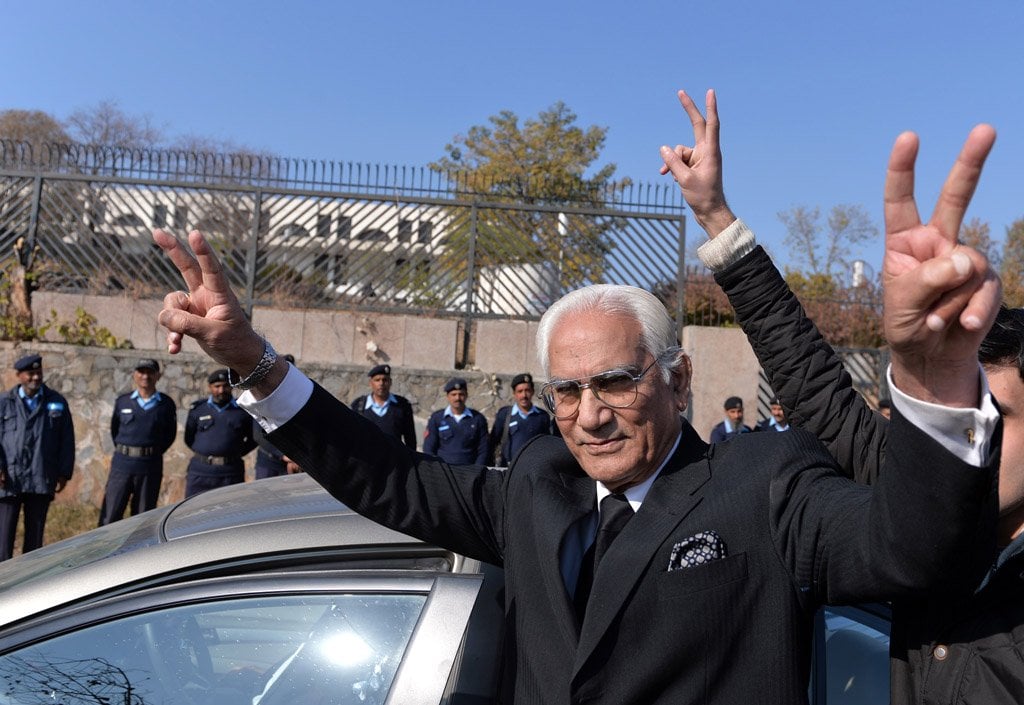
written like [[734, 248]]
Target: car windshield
[[281, 650]]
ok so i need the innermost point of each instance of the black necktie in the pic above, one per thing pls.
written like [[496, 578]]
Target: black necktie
[[615, 513]]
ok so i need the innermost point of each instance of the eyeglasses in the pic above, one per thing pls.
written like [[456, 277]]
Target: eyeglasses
[[615, 388]]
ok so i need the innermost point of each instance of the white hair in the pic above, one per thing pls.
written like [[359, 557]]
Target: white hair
[[657, 331]]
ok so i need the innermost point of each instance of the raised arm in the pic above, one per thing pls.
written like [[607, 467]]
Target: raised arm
[[807, 374], [802, 368]]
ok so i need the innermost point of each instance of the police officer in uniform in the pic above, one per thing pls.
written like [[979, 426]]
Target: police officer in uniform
[[143, 427], [777, 421], [38, 441], [516, 424], [732, 425], [457, 434], [220, 433], [391, 413]]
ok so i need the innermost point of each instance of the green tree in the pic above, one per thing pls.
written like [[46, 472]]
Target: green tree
[[547, 160], [1011, 270], [825, 249]]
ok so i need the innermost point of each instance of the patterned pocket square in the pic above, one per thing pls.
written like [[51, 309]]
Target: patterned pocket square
[[696, 550]]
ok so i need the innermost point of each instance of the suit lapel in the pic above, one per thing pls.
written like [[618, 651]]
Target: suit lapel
[[561, 504], [675, 493]]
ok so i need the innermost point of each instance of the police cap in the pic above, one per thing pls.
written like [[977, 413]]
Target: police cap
[[147, 363], [455, 383], [29, 362], [379, 370], [217, 376], [733, 403], [523, 378]]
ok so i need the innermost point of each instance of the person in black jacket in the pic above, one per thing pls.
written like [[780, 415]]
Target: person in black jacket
[[37, 437], [707, 553], [219, 433], [391, 413], [516, 424], [961, 646], [143, 427]]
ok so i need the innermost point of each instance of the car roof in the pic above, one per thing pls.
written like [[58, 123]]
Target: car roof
[[232, 529]]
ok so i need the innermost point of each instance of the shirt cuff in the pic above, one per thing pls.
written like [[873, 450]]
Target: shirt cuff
[[729, 246], [275, 410], [966, 433]]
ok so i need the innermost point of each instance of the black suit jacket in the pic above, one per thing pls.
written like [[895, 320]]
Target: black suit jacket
[[736, 630]]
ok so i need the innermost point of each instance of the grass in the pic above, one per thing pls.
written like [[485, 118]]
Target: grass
[[63, 521]]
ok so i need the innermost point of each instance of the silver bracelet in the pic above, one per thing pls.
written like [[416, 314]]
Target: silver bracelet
[[261, 371]]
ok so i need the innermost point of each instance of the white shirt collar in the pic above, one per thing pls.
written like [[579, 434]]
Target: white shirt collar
[[638, 493]]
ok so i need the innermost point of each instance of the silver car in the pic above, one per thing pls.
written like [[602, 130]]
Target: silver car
[[266, 593], [274, 593]]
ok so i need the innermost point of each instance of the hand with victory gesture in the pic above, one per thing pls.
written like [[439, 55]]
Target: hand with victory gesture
[[940, 297], [698, 169], [210, 312]]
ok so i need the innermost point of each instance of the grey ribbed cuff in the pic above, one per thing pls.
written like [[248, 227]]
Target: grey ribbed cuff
[[731, 244]]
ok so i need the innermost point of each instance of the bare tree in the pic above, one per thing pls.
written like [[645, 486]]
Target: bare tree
[[977, 234], [106, 124], [822, 249]]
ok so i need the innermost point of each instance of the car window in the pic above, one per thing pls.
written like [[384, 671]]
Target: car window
[[856, 661], [276, 650]]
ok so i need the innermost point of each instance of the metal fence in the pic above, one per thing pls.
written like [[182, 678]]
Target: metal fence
[[323, 234]]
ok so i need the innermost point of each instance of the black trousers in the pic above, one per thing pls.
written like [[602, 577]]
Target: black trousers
[[137, 490], [36, 506]]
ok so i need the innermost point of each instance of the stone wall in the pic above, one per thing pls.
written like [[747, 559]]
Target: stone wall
[[92, 378]]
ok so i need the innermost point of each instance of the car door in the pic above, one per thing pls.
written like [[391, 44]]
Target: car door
[[372, 637], [850, 662]]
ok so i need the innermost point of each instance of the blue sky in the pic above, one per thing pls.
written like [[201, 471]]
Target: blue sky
[[811, 94]]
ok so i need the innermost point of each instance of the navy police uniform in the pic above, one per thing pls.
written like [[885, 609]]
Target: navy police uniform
[[397, 417], [458, 442], [219, 436], [269, 460], [725, 430], [142, 431], [37, 437], [512, 428]]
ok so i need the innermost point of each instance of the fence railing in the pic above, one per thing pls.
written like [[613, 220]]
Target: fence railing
[[330, 235]]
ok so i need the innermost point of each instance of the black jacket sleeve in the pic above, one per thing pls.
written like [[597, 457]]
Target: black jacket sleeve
[[815, 389]]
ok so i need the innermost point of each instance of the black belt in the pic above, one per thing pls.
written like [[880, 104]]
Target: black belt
[[136, 451], [216, 459]]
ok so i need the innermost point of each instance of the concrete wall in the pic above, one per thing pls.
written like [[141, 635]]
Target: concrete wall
[[724, 365], [335, 349]]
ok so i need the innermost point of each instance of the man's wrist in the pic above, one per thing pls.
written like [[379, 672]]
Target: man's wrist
[[947, 384], [715, 220], [258, 373]]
